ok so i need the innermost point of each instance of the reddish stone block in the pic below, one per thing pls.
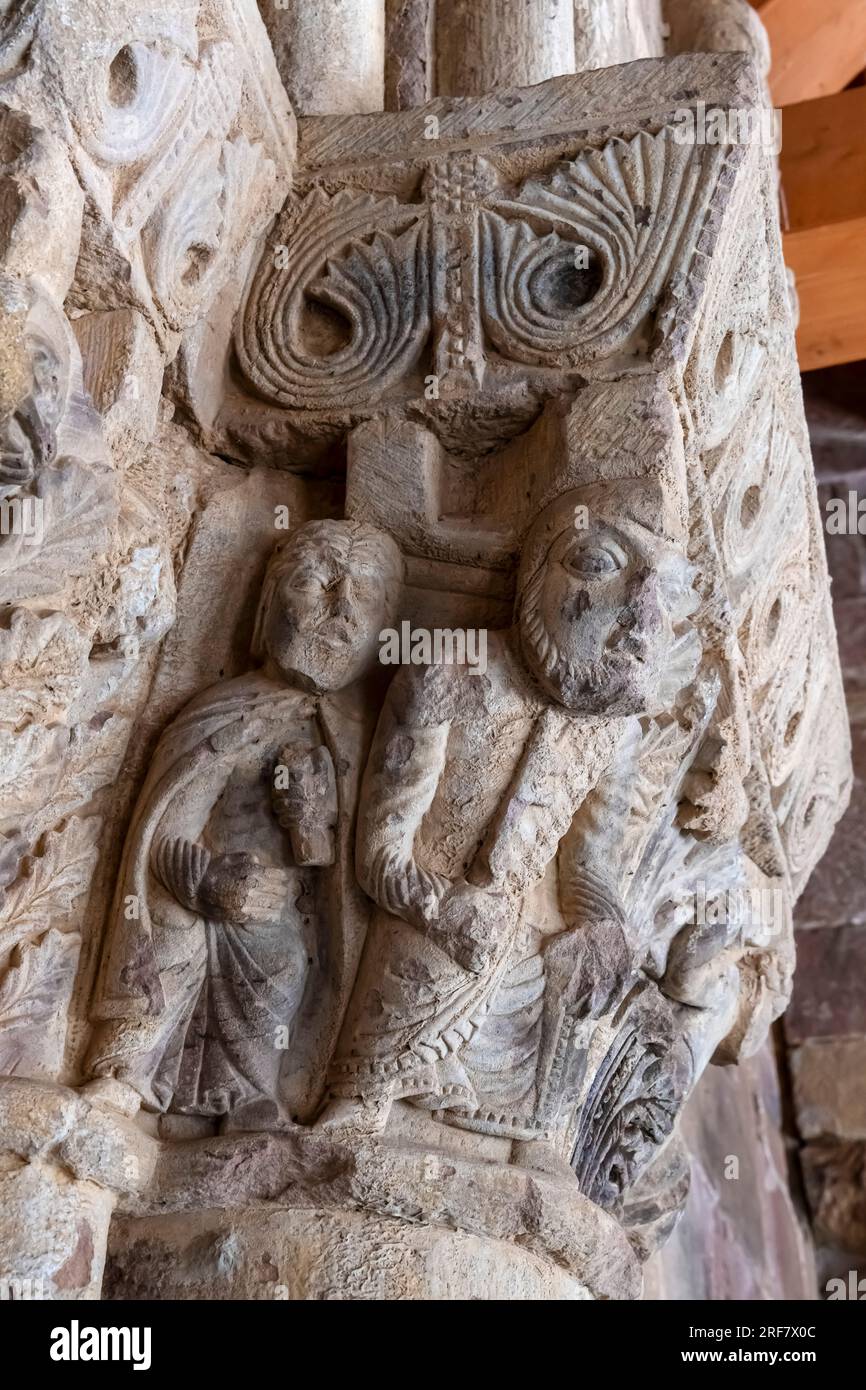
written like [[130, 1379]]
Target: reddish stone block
[[829, 998], [829, 1078], [835, 1178], [834, 895], [740, 1236], [846, 553], [850, 615]]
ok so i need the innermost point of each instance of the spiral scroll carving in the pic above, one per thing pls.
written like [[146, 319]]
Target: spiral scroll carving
[[359, 266], [632, 209], [132, 97]]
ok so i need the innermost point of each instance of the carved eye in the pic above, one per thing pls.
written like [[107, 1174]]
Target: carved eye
[[306, 581], [596, 561]]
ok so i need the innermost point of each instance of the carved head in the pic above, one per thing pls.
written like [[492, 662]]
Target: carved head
[[604, 595], [34, 382], [328, 593]]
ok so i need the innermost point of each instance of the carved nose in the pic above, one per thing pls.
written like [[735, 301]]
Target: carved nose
[[645, 607]]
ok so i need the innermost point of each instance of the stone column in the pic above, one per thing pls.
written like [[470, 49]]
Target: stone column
[[716, 26], [330, 53], [483, 44], [409, 57], [607, 32], [405, 976], [88, 580]]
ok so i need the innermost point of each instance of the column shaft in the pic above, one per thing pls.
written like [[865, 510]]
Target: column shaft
[[484, 44], [330, 53]]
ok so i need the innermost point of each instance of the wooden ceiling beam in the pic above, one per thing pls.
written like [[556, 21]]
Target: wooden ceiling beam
[[823, 163], [819, 46]]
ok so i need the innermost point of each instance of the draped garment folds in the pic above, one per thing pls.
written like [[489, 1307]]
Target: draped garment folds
[[475, 777], [191, 1004]]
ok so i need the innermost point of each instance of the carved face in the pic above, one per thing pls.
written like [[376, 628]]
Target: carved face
[[329, 594], [27, 434], [602, 612], [36, 344]]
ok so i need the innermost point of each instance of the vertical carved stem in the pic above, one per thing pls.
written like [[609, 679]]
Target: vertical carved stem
[[330, 53]]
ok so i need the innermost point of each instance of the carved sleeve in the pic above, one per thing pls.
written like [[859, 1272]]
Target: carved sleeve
[[406, 763], [590, 851]]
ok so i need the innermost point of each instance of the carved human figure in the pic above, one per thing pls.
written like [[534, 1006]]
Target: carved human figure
[[224, 925], [492, 807], [33, 393]]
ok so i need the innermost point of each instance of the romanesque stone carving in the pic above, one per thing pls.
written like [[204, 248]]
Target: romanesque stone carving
[[90, 153], [176, 127], [378, 285], [229, 945], [495, 872], [561, 270], [433, 961]]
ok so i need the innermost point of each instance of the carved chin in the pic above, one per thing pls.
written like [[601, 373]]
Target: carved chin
[[324, 663], [616, 685]]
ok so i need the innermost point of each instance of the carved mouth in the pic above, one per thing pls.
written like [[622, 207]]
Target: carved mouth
[[334, 638]]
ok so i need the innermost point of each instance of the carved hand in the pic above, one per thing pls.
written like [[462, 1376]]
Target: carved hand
[[15, 469], [305, 802], [237, 889], [604, 968], [470, 922]]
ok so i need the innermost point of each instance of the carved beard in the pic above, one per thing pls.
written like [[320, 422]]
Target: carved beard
[[616, 684]]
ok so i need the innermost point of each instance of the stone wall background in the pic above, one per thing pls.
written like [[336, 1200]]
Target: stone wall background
[[825, 1027], [744, 1233]]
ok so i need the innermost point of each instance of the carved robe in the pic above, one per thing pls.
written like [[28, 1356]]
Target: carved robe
[[199, 1011], [474, 777]]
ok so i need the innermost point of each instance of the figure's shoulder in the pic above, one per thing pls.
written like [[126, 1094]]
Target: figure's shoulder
[[472, 668], [241, 698], [422, 695]]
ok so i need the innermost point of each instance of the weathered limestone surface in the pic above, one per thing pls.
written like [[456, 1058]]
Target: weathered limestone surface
[[105, 116], [330, 53], [501, 390], [618, 31], [484, 44]]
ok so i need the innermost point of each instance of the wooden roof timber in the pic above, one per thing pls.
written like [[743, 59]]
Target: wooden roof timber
[[819, 46], [824, 203]]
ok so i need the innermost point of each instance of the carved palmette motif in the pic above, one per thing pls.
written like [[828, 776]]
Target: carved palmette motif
[[359, 261], [619, 218], [641, 1074], [167, 131], [188, 243], [549, 273], [750, 437]]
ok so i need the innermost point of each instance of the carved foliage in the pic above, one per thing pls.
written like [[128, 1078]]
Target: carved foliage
[[357, 261], [38, 950], [632, 1097], [575, 265], [552, 274], [176, 131]]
